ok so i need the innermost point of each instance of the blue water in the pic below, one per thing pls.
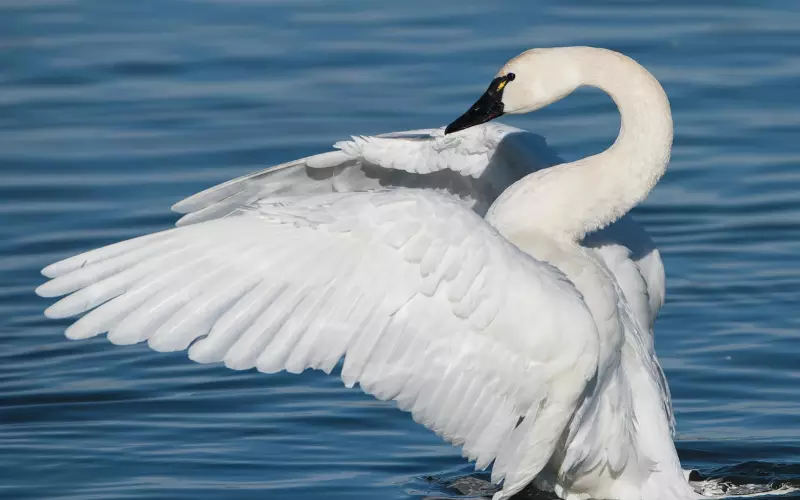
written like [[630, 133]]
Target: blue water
[[110, 111]]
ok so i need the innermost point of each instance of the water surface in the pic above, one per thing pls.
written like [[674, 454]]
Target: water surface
[[112, 111]]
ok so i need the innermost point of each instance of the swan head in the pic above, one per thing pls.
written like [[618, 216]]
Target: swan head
[[528, 82]]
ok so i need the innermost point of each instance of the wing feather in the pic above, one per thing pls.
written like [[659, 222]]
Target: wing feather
[[410, 287], [285, 317], [476, 164]]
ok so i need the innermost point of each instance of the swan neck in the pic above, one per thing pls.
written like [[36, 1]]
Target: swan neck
[[644, 141], [573, 199]]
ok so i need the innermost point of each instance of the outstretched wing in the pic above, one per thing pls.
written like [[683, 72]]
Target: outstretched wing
[[476, 165], [427, 304]]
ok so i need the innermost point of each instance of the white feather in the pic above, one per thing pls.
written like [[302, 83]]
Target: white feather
[[525, 337], [290, 305]]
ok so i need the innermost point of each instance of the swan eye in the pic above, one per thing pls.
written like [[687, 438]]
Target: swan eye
[[504, 81]]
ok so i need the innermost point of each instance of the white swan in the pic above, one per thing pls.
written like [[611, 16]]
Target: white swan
[[516, 335]]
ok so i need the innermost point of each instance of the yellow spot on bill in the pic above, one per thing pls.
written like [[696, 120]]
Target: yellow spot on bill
[[502, 84]]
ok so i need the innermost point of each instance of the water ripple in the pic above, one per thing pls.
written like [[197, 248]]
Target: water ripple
[[112, 111]]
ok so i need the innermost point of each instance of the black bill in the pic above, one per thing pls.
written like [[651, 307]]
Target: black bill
[[488, 107]]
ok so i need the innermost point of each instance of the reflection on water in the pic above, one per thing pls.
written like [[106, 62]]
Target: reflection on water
[[112, 111]]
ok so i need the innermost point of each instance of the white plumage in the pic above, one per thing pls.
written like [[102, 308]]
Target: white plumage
[[448, 279]]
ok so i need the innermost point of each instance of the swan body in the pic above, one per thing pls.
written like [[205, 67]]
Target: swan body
[[501, 296]]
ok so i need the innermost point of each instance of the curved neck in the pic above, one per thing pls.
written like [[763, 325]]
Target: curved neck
[[570, 200]]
